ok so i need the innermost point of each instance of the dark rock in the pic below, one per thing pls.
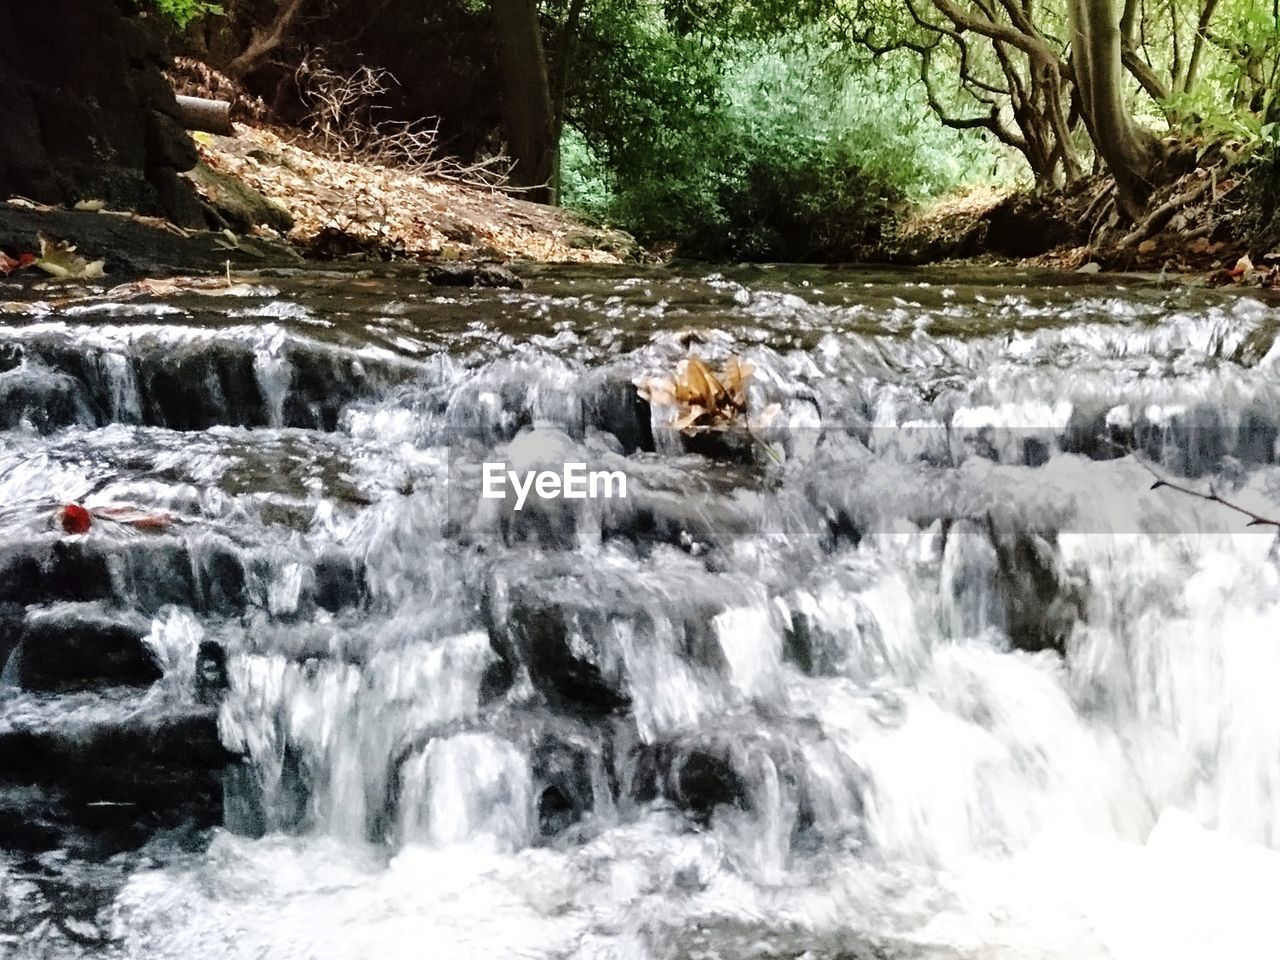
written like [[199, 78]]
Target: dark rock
[[323, 382], [75, 649], [339, 582], [46, 400], [133, 249], [1042, 600], [184, 208], [544, 630], [471, 275], [496, 680], [86, 113], [219, 575], [200, 385], [728, 446], [696, 777], [564, 622], [106, 784], [50, 569], [168, 145], [154, 573], [612, 404], [211, 672], [562, 780]]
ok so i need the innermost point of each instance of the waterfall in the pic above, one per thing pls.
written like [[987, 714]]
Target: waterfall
[[926, 667]]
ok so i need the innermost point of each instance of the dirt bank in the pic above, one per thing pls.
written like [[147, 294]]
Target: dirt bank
[[1217, 224]]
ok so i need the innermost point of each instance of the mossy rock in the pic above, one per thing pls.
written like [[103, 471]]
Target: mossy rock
[[237, 203]]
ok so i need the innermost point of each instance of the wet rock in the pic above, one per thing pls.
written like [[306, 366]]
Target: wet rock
[[339, 582], [725, 446], [562, 641], [496, 681], [562, 781], [471, 275], [1042, 600], [48, 569], [696, 777], [211, 672], [200, 385], [154, 573], [695, 519], [219, 576], [323, 382], [73, 648], [45, 399], [570, 626], [103, 779], [611, 404], [207, 574], [552, 521]]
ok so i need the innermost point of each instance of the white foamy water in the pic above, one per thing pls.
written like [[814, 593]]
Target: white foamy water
[[941, 673]]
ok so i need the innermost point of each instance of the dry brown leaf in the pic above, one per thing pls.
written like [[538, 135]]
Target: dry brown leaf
[[60, 261], [701, 399], [1242, 269]]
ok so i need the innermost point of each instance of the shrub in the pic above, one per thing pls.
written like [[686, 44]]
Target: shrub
[[182, 12], [771, 154]]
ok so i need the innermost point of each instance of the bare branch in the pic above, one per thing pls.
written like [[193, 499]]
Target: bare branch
[[1255, 519]]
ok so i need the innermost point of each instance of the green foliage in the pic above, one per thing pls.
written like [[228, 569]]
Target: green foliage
[[1237, 97], [584, 179], [182, 12], [758, 151]]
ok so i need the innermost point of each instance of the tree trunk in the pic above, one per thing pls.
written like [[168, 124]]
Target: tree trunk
[[527, 115], [266, 40], [1131, 154]]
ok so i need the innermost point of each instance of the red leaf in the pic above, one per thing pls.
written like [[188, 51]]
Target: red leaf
[[74, 518], [8, 264]]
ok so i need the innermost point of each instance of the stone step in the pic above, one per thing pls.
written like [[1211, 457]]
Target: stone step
[[103, 772], [207, 573]]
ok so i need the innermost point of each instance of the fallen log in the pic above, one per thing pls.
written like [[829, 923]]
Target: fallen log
[[210, 116]]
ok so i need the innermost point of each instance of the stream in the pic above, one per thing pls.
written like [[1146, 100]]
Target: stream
[[920, 666]]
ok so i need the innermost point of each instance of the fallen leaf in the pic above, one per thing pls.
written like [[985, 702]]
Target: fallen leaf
[[1242, 270], [134, 517], [700, 399], [60, 260], [74, 519], [8, 264]]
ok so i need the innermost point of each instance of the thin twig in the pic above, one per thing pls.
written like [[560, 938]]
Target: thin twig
[[1255, 519]]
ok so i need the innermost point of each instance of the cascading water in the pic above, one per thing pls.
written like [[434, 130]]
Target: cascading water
[[937, 676]]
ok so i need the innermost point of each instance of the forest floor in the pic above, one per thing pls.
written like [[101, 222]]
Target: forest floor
[[337, 208]]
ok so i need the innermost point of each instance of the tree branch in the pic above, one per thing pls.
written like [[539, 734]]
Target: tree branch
[[1255, 519], [266, 40]]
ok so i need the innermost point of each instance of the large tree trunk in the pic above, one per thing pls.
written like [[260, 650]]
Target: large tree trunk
[[1132, 155], [527, 114]]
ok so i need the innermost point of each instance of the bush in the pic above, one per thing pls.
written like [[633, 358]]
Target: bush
[[769, 155], [182, 12]]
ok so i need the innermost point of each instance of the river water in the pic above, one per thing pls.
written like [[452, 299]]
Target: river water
[[922, 668]]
